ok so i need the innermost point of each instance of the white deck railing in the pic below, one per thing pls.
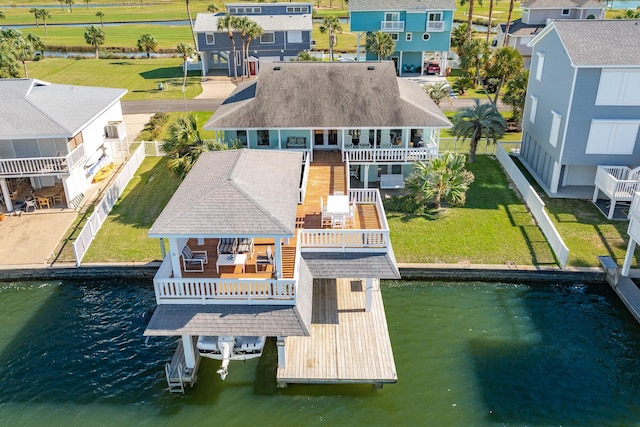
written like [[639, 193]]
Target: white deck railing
[[392, 26], [208, 290], [41, 165], [385, 155], [435, 26], [618, 183]]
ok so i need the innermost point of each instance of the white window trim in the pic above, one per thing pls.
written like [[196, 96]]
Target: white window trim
[[554, 132], [426, 37], [296, 32], [534, 108], [408, 37], [595, 146], [431, 14], [297, 9], [565, 14], [395, 16], [213, 38], [394, 36], [539, 66], [265, 33]]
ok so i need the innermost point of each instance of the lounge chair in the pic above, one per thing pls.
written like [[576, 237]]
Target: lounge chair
[[227, 245], [245, 245], [264, 258], [194, 258]]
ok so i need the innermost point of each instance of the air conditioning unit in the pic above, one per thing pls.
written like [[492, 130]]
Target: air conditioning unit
[[116, 130]]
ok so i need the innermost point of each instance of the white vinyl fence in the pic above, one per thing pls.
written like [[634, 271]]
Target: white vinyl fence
[[535, 205], [102, 209]]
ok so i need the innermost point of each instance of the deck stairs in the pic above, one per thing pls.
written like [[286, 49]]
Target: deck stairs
[[177, 373]]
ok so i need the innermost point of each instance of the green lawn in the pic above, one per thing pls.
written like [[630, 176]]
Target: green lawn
[[494, 227], [139, 76]]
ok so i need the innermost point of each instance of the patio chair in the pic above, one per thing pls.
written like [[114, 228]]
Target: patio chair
[[194, 258], [264, 258], [350, 218], [326, 218], [245, 245], [227, 245], [42, 202], [29, 204], [337, 221]]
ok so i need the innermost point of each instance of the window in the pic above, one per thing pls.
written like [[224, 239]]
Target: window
[[267, 38], [435, 16], [426, 37], [238, 59], [534, 107], [392, 16], [394, 36], [566, 12], [612, 137], [301, 9], [241, 136], [619, 87], [525, 40], [555, 128], [408, 36], [210, 38], [294, 36], [263, 137], [435, 21], [240, 10], [539, 66]]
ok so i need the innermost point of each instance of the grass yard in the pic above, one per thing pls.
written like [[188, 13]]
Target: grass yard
[[494, 227], [140, 76], [123, 236], [201, 116]]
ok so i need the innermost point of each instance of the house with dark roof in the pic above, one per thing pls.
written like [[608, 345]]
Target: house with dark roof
[[286, 29], [583, 105], [379, 123], [421, 30], [56, 137], [535, 16]]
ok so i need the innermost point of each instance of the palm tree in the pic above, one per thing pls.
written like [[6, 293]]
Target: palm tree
[[87, 3], [331, 25], [61, 5], [490, 18], [475, 53], [437, 91], [516, 95], [36, 14], [504, 64], [36, 43], [470, 15], [506, 28], [147, 43], [380, 44], [69, 3], [2, 15], [242, 25], [8, 63], [629, 14], [459, 38], [228, 23], [186, 50], [195, 42], [305, 56], [253, 32], [45, 14], [213, 8], [476, 121], [23, 51], [441, 178], [95, 37], [100, 15]]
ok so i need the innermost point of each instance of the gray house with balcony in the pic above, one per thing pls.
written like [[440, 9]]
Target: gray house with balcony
[[56, 135], [286, 32], [583, 103], [535, 16]]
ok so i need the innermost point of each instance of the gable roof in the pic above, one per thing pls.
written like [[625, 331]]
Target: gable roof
[[565, 4], [327, 95], [408, 5], [520, 29], [32, 108], [235, 193], [597, 43], [208, 22]]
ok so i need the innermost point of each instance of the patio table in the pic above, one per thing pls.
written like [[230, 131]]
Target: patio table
[[231, 259]]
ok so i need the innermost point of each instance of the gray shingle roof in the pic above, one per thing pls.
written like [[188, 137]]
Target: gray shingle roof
[[556, 4], [392, 5], [31, 108], [589, 42], [235, 192], [329, 265], [519, 29], [208, 22], [328, 95]]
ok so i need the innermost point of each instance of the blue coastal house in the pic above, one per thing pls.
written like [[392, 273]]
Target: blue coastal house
[[287, 31], [421, 30], [583, 108]]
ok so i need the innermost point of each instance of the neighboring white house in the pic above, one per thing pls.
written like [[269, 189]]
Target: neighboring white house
[[56, 135]]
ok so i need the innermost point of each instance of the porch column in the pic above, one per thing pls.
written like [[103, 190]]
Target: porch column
[[5, 194], [279, 138], [282, 360], [175, 257], [369, 294], [366, 176], [278, 258], [400, 65], [189, 352], [555, 178], [358, 36], [626, 266], [162, 248]]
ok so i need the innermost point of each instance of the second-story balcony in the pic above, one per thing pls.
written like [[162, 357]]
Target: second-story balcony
[[435, 26], [392, 26], [43, 166]]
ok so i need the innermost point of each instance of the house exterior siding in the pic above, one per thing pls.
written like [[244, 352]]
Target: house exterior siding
[[540, 16]]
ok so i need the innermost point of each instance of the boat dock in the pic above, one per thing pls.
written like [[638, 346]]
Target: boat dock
[[347, 344], [625, 287], [177, 373]]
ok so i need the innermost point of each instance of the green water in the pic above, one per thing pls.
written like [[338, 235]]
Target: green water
[[467, 354]]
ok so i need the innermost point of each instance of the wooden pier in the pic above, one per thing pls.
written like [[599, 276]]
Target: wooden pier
[[347, 344]]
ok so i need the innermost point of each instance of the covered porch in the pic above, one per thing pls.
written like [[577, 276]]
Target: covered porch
[[618, 183]]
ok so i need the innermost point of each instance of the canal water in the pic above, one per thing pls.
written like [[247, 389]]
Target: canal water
[[72, 354]]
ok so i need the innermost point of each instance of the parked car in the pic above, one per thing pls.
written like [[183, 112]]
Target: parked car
[[433, 68]]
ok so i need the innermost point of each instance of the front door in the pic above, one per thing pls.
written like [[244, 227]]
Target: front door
[[252, 68]]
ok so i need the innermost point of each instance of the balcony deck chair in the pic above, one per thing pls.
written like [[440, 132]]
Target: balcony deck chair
[[385, 141], [264, 258], [227, 245], [194, 258], [245, 245], [363, 142]]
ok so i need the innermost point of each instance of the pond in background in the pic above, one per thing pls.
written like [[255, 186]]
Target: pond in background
[[72, 353]]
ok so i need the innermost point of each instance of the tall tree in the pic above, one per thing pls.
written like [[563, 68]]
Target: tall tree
[[475, 122], [69, 3], [508, 25], [380, 44], [228, 23], [470, 15], [61, 5], [504, 64], [515, 95], [44, 15], [254, 31], [36, 14], [95, 37], [23, 51], [490, 19], [475, 53], [459, 38], [195, 42], [147, 43], [100, 15], [36, 42], [186, 50], [331, 25], [87, 3], [242, 25]]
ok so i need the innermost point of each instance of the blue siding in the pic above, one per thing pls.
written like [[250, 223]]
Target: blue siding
[[274, 9], [366, 21]]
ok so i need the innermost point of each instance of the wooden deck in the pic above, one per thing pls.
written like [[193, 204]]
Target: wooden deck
[[347, 344]]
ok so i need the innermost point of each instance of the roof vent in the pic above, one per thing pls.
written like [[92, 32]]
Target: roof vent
[[371, 67], [276, 68]]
